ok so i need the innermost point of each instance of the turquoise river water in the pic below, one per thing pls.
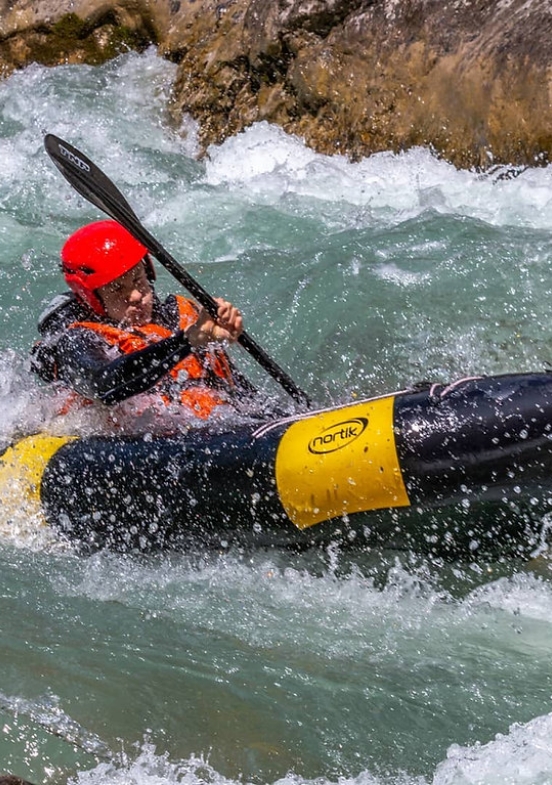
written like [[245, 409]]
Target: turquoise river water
[[268, 667]]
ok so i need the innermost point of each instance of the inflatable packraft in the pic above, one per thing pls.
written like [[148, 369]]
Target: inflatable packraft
[[458, 469]]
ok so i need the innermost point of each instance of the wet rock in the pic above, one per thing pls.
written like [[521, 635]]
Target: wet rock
[[469, 78], [52, 33]]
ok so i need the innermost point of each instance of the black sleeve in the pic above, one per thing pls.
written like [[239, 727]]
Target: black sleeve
[[85, 362]]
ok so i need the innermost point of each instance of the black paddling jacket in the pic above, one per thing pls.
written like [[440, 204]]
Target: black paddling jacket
[[84, 361]]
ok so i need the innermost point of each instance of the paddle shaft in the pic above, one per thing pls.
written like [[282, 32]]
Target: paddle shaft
[[97, 188]]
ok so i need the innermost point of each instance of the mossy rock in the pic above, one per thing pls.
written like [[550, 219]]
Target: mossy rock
[[75, 40]]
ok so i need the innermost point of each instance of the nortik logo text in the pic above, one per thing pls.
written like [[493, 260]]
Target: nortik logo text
[[338, 436]]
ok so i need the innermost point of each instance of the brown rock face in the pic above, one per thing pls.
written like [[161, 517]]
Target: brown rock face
[[69, 32], [470, 78]]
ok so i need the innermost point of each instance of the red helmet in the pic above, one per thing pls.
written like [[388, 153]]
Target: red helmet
[[97, 254]]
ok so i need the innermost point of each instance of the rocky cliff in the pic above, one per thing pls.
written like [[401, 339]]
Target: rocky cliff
[[470, 78]]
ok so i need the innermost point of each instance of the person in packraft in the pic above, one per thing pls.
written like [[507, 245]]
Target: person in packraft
[[111, 338]]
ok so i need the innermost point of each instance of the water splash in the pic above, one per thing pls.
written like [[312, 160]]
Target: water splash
[[48, 714], [270, 165], [523, 756]]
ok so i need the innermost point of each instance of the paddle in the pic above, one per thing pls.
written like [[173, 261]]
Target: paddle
[[97, 188]]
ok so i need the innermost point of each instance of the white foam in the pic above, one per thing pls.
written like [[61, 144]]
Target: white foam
[[152, 768], [523, 756], [268, 162], [524, 595]]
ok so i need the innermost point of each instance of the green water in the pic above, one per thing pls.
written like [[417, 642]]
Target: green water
[[359, 279]]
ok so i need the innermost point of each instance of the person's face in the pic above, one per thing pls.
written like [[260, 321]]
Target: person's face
[[128, 299]]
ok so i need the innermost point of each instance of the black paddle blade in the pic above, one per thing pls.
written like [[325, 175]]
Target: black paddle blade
[[79, 171], [96, 187]]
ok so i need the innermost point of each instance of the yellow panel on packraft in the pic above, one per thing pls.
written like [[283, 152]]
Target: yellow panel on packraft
[[340, 462], [21, 470]]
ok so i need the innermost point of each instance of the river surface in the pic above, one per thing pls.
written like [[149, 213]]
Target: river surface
[[328, 667]]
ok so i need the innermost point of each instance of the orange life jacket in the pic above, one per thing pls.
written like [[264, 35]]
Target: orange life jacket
[[211, 367]]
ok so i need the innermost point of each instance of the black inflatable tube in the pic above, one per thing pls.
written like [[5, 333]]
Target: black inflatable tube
[[464, 469]]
